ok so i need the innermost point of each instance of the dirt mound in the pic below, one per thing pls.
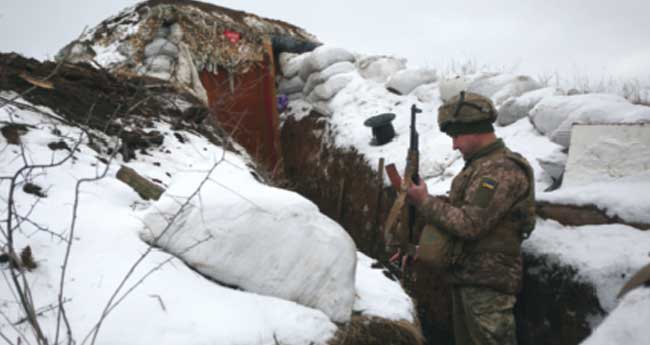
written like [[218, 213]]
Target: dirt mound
[[89, 96], [364, 330]]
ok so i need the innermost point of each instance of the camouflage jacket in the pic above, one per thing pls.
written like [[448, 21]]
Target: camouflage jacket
[[488, 205]]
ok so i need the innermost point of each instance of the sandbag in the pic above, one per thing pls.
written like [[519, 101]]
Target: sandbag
[[380, 68], [328, 89], [501, 87], [321, 58], [290, 86], [321, 77], [405, 81], [291, 63]]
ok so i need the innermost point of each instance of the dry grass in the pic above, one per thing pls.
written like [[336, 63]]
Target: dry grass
[[363, 330]]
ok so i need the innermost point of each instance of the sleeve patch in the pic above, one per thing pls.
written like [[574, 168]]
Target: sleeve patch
[[485, 192]]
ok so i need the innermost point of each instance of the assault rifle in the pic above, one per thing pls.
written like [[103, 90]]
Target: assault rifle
[[404, 235]]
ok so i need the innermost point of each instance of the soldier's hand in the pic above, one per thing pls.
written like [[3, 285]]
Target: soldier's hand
[[417, 193]]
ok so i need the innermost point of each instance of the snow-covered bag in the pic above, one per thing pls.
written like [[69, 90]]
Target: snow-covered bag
[[262, 239], [323, 57], [500, 87], [518, 107], [331, 87], [290, 86], [554, 116], [318, 78], [290, 63], [405, 81], [380, 68]]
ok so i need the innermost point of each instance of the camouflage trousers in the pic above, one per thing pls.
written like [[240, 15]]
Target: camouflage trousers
[[483, 316]]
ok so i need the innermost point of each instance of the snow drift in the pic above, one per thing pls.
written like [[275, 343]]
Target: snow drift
[[554, 116], [259, 238]]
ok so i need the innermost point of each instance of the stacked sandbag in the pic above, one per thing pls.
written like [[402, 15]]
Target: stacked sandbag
[[380, 68], [554, 116], [518, 107], [320, 78], [290, 83], [323, 57], [316, 76], [168, 57], [406, 80], [501, 87]]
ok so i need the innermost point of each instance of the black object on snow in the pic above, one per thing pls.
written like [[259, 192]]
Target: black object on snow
[[382, 128]]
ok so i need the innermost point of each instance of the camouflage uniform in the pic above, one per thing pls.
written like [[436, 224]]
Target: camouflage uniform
[[491, 201]]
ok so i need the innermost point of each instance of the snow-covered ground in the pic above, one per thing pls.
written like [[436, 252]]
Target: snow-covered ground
[[602, 255], [152, 296]]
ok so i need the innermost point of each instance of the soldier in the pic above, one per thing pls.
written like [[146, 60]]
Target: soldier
[[489, 211]]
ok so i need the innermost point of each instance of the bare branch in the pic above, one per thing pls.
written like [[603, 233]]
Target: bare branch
[[110, 304]]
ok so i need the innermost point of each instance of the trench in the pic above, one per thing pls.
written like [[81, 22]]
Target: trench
[[553, 308]]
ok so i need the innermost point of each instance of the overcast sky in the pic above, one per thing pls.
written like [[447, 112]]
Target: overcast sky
[[575, 38]]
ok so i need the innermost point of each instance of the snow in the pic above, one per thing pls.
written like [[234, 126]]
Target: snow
[[380, 68], [625, 197], [500, 87], [517, 107], [406, 80], [163, 301], [329, 88], [108, 55], [604, 256], [259, 238], [379, 296], [627, 324], [319, 78], [607, 153], [554, 116], [321, 58]]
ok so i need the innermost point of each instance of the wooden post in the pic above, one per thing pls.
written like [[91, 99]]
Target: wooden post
[[380, 192]]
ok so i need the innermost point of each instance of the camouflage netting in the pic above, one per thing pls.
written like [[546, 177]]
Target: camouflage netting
[[175, 40]]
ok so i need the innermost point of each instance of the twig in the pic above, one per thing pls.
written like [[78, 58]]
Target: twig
[[160, 300], [61, 312]]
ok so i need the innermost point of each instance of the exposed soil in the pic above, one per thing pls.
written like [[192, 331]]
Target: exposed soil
[[581, 215], [554, 307], [87, 97]]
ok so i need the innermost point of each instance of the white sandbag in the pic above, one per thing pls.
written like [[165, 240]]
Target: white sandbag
[[290, 63], [405, 81], [450, 87], [159, 63], [328, 89], [323, 57], [500, 87], [259, 238], [380, 68], [289, 86], [295, 96], [318, 78], [554, 116], [516, 108], [426, 93], [161, 46]]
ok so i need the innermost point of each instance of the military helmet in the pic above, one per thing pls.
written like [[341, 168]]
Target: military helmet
[[467, 113]]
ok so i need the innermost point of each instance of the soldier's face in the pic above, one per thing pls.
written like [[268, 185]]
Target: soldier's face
[[466, 143]]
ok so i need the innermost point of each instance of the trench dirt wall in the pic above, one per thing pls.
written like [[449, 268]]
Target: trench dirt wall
[[553, 309]]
